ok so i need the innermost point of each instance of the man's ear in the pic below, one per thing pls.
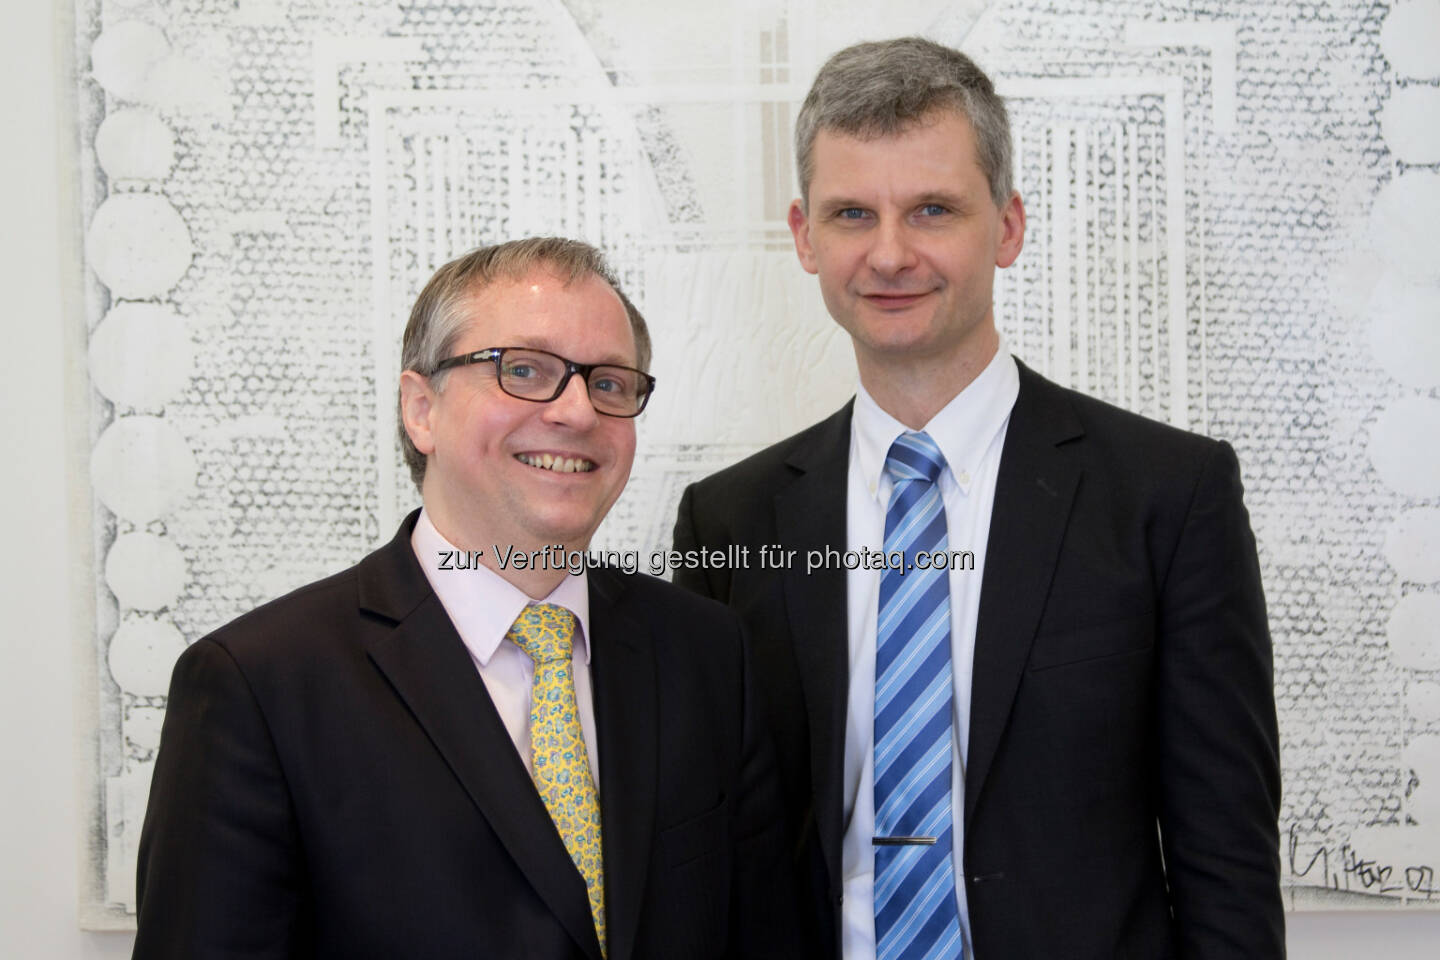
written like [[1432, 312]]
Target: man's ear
[[1012, 231], [800, 230], [417, 407]]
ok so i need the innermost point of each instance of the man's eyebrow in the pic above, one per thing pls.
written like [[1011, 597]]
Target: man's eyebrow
[[944, 198], [832, 204], [543, 343]]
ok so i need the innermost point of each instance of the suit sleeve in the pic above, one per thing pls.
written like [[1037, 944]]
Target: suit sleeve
[[765, 914], [1218, 745], [219, 870], [687, 538]]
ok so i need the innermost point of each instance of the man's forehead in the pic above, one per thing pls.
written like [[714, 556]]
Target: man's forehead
[[880, 135], [543, 287], [544, 308], [947, 127]]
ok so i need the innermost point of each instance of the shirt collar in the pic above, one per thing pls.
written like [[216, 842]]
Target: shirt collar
[[481, 603], [962, 429]]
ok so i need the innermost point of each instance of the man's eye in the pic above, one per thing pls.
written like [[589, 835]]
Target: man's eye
[[933, 210], [607, 384], [850, 213], [520, 371]]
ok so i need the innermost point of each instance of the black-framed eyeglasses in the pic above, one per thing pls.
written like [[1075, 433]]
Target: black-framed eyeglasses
[[540, 376]]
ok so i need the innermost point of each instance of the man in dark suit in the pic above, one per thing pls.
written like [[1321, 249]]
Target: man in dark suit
[[1089, 674], [446, 752]]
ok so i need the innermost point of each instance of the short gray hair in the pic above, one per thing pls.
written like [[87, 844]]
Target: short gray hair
[[439, 316], [880, 89]]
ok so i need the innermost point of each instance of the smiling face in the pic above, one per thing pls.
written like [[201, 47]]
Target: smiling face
[[505, 471], [905, 239]]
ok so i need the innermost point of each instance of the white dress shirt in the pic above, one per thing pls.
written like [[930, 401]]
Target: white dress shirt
[[483, 605], [970, 432]]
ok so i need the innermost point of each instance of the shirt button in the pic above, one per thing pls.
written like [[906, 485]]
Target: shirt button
[[964, 478]]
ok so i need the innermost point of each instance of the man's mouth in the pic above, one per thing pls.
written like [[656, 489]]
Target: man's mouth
[[894, 299], [546, 461]]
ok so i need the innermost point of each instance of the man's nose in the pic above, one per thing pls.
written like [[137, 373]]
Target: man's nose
[[891, 251], [573, 406]]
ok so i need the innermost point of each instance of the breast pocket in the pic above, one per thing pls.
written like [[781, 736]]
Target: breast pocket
[[692, 885], [1058, 645], [694, 838]]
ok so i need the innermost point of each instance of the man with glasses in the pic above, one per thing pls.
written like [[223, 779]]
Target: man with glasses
[[1062, 744], [505, 760]]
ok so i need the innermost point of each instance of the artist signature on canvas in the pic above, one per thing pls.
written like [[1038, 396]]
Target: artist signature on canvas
[[1345, 868]]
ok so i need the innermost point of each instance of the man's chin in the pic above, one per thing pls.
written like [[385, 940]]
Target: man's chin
[[569, 533], [894, 345], [544, 518]]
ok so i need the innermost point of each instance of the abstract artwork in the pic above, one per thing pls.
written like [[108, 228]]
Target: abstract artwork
[[1234, 226]]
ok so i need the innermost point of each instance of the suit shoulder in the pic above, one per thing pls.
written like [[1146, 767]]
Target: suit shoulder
[[760, 469], [312, 611], [1119, 434], [1143, 432]]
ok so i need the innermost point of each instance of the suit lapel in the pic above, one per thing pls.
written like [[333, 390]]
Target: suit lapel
[[1033, 495], [426, 663], [622, 673], [810, 515]]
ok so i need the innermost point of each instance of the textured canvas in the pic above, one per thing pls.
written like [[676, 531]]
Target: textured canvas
[[1233, 215]]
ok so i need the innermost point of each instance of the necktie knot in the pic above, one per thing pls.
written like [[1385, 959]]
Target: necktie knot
[[914, 456], [545, 631]]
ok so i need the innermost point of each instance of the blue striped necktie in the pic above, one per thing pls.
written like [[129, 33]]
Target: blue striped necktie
[[916, 916]]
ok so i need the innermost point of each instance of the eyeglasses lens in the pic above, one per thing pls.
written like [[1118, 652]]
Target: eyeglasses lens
[[535, 376]]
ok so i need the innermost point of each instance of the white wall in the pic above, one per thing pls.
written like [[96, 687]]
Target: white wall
[[39, 811], [39, 808]]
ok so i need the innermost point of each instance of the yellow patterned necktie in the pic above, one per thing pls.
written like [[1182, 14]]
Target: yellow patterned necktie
[[559, 762]]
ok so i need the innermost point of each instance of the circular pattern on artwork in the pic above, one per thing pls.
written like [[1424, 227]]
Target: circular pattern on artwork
[[123, 56], [140, 355], [1407, 39], [1414, 642], [183, 84], [142, 726], [1405, 329], [144, 571], [1402, 447], [1402, 223], [142, 468], [1408, 125], [142, 655], [135, 145], [1412, 545], [138, 245]]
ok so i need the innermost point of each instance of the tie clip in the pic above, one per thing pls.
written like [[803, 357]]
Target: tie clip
[[902, 841]]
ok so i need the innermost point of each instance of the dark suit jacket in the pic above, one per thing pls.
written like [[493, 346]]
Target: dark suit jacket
[[334, 781], [1122, 678]]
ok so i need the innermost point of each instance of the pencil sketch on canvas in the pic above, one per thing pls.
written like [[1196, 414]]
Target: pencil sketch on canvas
[[1233, 227]]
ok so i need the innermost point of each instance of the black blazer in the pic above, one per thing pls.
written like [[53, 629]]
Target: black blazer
[[334, 781], [1122, 679]]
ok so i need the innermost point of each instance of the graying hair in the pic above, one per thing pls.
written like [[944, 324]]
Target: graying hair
[[440, 315], [881, 89]]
